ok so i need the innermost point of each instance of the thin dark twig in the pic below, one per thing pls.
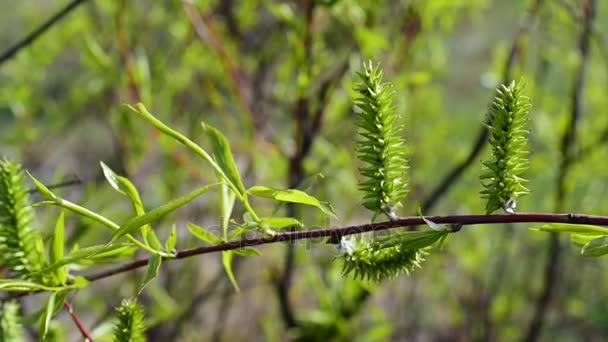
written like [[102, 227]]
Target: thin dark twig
[[323, 234], [59, 185], [568, 145], [83, 331], [304, 136], [30, 38], [451, 178]]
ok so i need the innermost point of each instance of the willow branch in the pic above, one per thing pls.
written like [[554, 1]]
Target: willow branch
[[457, 220], [83, 331]]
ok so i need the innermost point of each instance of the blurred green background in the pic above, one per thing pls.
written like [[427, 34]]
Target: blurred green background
[[276, 77]]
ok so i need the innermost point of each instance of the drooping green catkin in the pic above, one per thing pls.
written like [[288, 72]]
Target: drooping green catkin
[[370, 261], [20, 250], [10, 326], [130, 326], [388, 256], [508, 117], [380, 147]]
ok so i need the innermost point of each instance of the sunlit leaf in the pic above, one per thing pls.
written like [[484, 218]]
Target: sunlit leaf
[[280, 222], [203, 234], [290, 195], [223, 156], [596, 247]]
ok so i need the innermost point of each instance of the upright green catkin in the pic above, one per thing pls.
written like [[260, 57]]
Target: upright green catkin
[[10, 327], [130, 326], [380, 147], [20, 245], [508, 117], [382, 152]]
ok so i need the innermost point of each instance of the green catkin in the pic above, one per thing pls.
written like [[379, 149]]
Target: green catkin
[[20, 245], [370, 261], [384, 170], [10, 326], [380, 147], [130, 326], [508, 117]]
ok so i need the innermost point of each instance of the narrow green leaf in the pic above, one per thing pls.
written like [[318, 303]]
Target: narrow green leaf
[[246, 251], [227, 262], [581, 239], [171, 240], [42, 188], [203, 234], [151, 272], [124, 186], [227, 199], [596, 247], [290, 195], [48, 314], [413, 240], [572, 228], [223, 156], [159, 212], [56, 251], [80, 254], [304, 185], [121, 251], [280, 222]]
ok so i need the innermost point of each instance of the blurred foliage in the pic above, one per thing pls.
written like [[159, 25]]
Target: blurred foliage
[[247, 67]]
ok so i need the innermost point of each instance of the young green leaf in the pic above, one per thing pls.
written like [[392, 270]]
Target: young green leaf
[[227, 199], [412, 240], [203, 234], [571, 228], [246, 251], [48, 314], [290, 195], [56, 251], [78, 255], [119, 251], [596, 247], [223, 156], [581, 240], [281, 222], [124, 186], [151, 271], [227, 262], [156, 213], [171, 240]]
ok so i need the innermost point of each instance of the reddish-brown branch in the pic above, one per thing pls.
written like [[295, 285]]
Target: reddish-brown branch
[[83, 331], [464, 220], [336, 233]]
